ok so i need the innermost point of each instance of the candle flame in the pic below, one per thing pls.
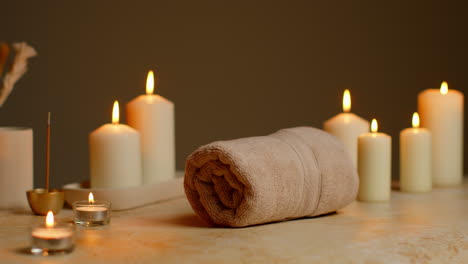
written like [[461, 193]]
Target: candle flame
[[115, 113], [374, 126], [346, 101], [415, 120], [91, 198], [150, 83], [444, 88], [50, 219]]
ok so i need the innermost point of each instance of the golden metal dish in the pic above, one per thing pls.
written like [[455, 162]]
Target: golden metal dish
[[41, 201]]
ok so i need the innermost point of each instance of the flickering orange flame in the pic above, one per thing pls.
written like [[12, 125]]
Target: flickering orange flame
[[50, 219], [150, 83], [115, 113], [415, 121], [346, 101], [374, 126], [444, 88], [91, 198]]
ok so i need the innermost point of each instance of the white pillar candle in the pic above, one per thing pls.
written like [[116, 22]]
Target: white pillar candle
[[374, 165], [115, 158], [442, 113], [415, 158], [16, 166], [153, 116], [347, 127]]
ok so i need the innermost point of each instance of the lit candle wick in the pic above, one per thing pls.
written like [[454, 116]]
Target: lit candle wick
[[415, 121], [346, 101], [50, 220], [115, 113], [444, 88], [374, 126], [150, 83], [91, 198]]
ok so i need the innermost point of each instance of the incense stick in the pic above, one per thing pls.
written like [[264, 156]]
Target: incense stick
[[48, 153]]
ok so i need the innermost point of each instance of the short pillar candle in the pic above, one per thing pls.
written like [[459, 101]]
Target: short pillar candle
[[347, 127], [374, 165], [115, 158], [415, 158]]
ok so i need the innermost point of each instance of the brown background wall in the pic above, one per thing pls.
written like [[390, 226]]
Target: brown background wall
[[233, 69]]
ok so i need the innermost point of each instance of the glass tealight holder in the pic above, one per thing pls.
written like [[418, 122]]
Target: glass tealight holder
[[92, 214], [52, 240]]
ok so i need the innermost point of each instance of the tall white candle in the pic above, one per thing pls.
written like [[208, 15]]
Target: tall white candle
[[441, 112], [415, 158], [347, 127], [153, 116], [115, 158], [374, 165]]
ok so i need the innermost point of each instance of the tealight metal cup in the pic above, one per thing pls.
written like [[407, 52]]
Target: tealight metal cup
[[59, 239]]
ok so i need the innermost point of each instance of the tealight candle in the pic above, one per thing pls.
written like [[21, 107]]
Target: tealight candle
[[374, 165], [415, 158], [91, 212], [52, 238], [347, 127]]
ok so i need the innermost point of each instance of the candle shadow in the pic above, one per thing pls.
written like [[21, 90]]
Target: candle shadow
[[23, 251], [22, 212], [92, 228], [27, 251], [395, 185], [66, 220]]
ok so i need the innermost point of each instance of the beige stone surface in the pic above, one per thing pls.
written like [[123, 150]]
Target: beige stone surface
[[412, 228]]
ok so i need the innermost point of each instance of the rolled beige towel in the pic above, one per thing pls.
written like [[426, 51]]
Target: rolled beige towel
[[292, 173]]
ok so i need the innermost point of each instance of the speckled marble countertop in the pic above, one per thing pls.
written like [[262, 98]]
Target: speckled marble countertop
[[412, 228]]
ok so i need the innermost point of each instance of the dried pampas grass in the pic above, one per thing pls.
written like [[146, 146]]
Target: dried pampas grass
[[11, 73]]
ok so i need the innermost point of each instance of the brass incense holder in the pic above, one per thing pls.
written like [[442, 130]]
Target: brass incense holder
[[41, 201]]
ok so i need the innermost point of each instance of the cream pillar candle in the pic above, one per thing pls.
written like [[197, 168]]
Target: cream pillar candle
[[153, 116], [415, 158], [115, 158], [347, 127], [16, 166], [442, 113], [374, 165]]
